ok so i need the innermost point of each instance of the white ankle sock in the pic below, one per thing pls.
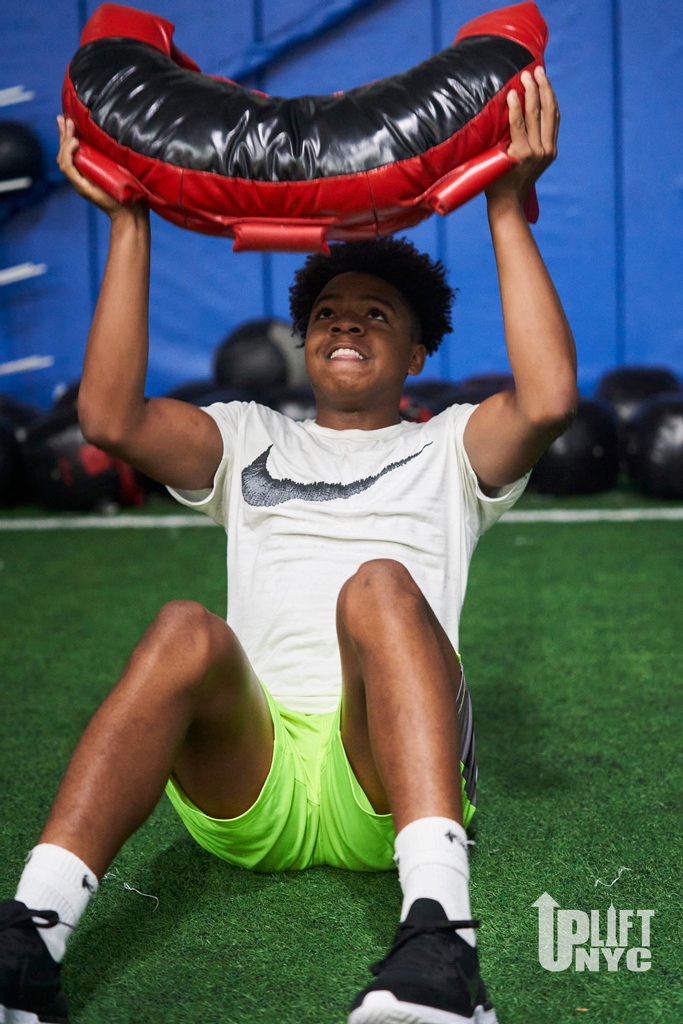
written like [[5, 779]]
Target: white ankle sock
[[431, 855], [55, 879]]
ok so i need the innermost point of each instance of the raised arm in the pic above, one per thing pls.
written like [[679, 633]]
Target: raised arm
[[508, 432], [173, 442]]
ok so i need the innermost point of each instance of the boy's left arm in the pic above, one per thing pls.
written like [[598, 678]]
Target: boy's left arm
[[508, 432]]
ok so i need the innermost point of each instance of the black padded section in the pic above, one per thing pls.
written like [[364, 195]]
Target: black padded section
[[143, 100]]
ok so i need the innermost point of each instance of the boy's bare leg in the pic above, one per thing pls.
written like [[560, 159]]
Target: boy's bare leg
[[188, 703], [400, 729], [400, 682], [401, 677]]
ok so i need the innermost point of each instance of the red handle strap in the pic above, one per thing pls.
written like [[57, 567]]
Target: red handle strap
[[277, 236], [117, 182], [465, 182]]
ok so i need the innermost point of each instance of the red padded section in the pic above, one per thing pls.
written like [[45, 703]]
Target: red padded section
[[183, 60], [522, 22], [363, 205], [304, 215], [117, 20], [381, 201], [401, 181]]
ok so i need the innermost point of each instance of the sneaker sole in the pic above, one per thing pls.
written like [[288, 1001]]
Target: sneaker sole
[[384, 1008]]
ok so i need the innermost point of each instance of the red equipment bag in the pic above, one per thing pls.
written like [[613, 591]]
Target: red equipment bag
[[291, 174]]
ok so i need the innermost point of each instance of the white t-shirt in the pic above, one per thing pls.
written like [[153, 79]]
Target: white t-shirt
[[304, 506]]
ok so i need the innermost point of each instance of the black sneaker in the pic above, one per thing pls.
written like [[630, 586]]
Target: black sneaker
[[429, 976], [29, 978]]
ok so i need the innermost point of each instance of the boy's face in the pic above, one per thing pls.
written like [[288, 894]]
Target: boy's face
[[363, 339]]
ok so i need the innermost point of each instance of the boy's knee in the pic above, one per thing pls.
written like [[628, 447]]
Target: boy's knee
[[379, 586], [182, 617], [184, 633], [380, 574]]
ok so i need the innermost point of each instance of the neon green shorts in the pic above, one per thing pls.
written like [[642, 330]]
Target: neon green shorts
[[310, 811]]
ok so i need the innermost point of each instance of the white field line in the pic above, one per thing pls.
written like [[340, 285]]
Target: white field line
[[105, 522], [125, 522], [593, 515]]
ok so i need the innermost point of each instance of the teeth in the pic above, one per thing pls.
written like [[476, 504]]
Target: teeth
[[346, 352]]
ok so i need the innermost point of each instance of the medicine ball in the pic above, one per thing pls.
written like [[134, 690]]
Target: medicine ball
[[440, 395], [205, 392], [653, 447], [65, 472], [436, 395], [65, 396], [15, 417], [11, 477], [413, 409], [626, 387], [190, 391], [259, 355], [476, 389], [297, 403], [583, 460], [21, 155], [19, 414]]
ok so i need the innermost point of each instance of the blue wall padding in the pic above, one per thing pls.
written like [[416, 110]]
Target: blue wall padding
[[47, 315], [620, 277], [653, 180]]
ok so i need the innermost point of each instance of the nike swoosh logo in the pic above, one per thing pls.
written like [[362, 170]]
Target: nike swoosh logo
[[259, 488]]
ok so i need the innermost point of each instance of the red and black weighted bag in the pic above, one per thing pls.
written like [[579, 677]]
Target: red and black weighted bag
[[292, 174]]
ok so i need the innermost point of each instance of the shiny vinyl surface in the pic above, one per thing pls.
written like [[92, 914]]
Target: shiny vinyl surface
[[143, 100]]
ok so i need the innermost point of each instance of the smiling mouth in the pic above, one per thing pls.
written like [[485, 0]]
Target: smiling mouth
[[346, 353]]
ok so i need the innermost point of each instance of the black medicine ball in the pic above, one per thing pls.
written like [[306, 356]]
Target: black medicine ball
[[191, 391], [583, 460], [296, 403], [65, 472], [414, 409], [478, 388], [436, 395], [11, 477], [626, 387], [20, 153], [206, 392], [260, 355], [653, 447], [19, 414], [66, 395]]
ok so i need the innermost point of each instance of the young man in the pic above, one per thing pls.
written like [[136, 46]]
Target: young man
[[328, 721]]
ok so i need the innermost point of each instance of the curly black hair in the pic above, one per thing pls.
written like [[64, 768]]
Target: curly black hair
[[419, 279]]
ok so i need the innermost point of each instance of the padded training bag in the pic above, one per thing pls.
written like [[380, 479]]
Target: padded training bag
[[290, 174]]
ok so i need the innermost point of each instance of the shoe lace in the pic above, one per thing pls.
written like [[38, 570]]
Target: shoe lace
[[407, 932], [48, 919]]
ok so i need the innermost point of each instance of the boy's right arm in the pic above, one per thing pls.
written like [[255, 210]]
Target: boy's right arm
[[171, 441]]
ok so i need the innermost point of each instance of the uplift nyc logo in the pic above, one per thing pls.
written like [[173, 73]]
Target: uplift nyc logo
[[592, 940]]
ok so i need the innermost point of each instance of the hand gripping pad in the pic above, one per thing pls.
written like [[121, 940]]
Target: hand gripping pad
[[293, 174]]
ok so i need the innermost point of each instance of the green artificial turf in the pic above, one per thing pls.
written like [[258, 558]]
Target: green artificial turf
[[571, 637]]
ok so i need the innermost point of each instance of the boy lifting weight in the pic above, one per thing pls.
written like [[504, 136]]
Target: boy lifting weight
[[328, 720]]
